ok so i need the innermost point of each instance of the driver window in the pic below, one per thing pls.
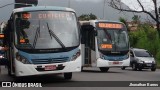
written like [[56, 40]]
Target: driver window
[[21, 25]]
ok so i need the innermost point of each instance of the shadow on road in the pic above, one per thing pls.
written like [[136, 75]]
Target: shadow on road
[[95, 71], [143, 70], [58, 81], [42, 79]]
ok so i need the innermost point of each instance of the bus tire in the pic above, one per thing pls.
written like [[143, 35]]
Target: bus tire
[[104, 69], [18, 78], [123, 68], [153, 69], [134, 67], [9, 71], [81, 69], [140, 69], [68, 76]]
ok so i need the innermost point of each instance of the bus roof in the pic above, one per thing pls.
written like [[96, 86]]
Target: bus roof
[[92, 22], [40, 8]]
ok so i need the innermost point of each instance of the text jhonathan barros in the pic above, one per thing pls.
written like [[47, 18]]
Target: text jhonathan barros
[[143, 85]]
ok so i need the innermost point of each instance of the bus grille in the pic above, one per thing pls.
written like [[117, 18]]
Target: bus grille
[[49, 61]]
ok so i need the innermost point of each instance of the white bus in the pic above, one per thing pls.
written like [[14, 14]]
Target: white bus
[[105, 44], [43, 40]]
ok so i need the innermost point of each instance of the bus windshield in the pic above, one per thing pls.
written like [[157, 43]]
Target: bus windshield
[[114, 40], [46, 30]]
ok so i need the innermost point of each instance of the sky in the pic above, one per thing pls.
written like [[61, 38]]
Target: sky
[[81, 6], [133, 4]]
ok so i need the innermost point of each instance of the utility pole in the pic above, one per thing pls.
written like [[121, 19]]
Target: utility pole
[[104, 9], [69, 3]]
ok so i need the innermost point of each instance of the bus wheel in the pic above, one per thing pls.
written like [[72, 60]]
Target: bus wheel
[[123, 68], [153, 69], [134, 67], [18, 78], [104, 69], [68, 76], [81, 69], [9, 71], [140, 69]]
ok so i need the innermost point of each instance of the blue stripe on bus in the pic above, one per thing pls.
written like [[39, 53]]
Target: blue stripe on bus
[[30, 57], [115, 58]]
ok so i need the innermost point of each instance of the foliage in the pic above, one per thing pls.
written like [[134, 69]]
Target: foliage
[[123, 20], [87, 17], [136, 18], [118, 5], [146, 37]]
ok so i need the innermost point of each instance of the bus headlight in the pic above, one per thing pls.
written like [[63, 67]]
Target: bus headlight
[[75, 56], [1, 56], [22, 59]]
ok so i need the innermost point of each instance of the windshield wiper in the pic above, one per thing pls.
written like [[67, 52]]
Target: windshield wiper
[[118, 36], [108, 35], [36, 36], [52, 34]]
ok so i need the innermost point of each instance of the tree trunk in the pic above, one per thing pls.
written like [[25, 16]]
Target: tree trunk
[[158, 28], [157, 17]]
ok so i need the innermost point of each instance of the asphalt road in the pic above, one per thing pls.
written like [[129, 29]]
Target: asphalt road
[[90, 76]]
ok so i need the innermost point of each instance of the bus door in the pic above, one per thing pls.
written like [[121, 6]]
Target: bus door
[[86, 31]]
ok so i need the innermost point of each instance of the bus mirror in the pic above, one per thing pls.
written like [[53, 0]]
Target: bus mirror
[[3, 26]]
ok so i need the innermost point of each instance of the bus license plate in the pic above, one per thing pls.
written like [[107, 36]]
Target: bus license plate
[[50, 67], [115, 62]]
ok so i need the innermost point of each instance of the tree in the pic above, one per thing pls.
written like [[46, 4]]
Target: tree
[[92, 16], [136, 19], [87, 17], [117, 4], [123, 20], [83, 17]]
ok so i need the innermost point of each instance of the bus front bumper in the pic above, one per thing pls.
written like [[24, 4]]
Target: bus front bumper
[[39, 69], [107, 63]]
